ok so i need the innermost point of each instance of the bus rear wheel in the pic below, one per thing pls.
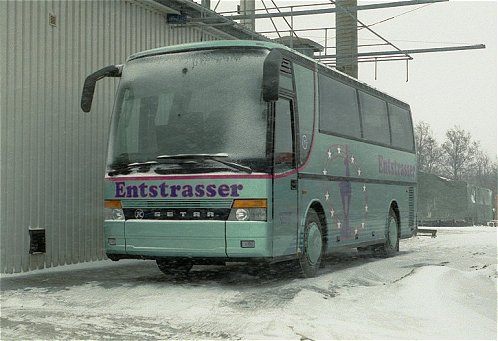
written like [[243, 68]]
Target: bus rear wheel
[[391, 245], [174, 266], [312, 248]]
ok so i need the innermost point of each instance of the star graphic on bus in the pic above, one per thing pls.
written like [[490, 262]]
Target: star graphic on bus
[[344, 191]]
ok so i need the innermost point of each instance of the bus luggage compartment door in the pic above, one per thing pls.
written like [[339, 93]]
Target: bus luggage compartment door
[[175, 238]]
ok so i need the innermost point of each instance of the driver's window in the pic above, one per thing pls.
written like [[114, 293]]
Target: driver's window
[[283, 141]]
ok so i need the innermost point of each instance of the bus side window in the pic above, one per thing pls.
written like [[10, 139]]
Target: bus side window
[[401, 127], [339, 112], [375, 120], [283, 139]]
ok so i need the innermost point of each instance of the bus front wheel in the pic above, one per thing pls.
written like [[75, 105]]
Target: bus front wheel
[[312, 248], [174, 267]]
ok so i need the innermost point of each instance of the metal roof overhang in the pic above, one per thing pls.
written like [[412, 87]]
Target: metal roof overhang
[[215, 22]]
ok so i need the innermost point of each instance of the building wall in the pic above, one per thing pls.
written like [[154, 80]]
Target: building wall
[[52, 154]]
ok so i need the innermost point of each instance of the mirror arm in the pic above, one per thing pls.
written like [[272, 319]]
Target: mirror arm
[[91, 80]]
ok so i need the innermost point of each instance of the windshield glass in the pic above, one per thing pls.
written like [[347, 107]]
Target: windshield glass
[[201, 102]]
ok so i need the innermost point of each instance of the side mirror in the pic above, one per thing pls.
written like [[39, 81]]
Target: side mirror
[[271, 75], [91, 80]]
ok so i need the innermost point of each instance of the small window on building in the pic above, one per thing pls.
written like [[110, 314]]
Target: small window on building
[[37, 242], [52, 20]]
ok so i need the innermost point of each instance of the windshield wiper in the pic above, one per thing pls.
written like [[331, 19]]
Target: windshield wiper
[[147, 164], [213, 157], [127, 168]]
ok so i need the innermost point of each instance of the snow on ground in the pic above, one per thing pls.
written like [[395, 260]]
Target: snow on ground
[[436, 288]]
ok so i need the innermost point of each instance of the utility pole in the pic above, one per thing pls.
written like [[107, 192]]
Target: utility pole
[[206, 3], [248, 8], [346, 37]]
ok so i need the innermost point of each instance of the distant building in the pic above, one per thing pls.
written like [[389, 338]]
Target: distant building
[[445, 202], [52, 154]]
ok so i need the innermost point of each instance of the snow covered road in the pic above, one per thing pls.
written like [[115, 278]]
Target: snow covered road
[[436, 288]]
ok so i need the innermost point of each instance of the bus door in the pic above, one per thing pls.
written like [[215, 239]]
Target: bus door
[[285, 189]]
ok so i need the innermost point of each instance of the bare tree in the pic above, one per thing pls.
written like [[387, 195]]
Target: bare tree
[[459, 152], [483, 170], [459, 158], [429, 153]]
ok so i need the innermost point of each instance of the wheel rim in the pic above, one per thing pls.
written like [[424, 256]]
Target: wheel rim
[[314, 243]]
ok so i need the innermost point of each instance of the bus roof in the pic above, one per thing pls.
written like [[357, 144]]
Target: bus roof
[[265, 45], [207, 45]]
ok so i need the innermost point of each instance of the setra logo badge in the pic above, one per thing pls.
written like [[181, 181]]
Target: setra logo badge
[[139, 214]]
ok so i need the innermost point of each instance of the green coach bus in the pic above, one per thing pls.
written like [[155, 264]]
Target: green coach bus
[[239, 151]]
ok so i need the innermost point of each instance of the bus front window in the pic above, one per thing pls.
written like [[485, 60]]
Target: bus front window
[[200, 102]]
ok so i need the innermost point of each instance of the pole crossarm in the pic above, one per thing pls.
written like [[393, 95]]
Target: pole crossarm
[[333, 10], [343, 8], [412, 51]]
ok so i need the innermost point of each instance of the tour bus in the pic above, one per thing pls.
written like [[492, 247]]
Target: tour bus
[[247, 151]]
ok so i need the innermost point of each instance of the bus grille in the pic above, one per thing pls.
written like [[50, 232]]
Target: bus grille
[[172, 203], [411, 207], [286, 66], [171, 209]]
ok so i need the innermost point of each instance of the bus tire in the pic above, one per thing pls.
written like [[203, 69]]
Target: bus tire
[[312, 248], [391, 245], [174, 267]]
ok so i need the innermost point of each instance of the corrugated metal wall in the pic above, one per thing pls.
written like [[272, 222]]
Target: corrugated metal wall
[[53, 154]]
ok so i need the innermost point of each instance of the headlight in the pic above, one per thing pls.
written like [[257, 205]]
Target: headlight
[[242, 214], [248, 210], [113, 214], [113, 210]]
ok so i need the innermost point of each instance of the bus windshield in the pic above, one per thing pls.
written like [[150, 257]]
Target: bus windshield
[[206, 102]]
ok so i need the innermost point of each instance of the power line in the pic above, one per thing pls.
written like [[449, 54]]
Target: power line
[[410, 51], [271, 19], [425, 41], [374, 56], [290, 26], [217, 4], [332, 10], [372, 31], [399, 15], [279, 7]]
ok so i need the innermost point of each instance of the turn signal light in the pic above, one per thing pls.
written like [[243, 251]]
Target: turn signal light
[[116, 204], [249, 203], [248, 210]]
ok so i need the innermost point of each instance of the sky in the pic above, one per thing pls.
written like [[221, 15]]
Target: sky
[[444, 89]]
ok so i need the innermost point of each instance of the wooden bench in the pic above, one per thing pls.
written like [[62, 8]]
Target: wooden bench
[[427, 232]]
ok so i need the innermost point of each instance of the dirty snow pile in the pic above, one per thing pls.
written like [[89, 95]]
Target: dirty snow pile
[[436, 288]]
